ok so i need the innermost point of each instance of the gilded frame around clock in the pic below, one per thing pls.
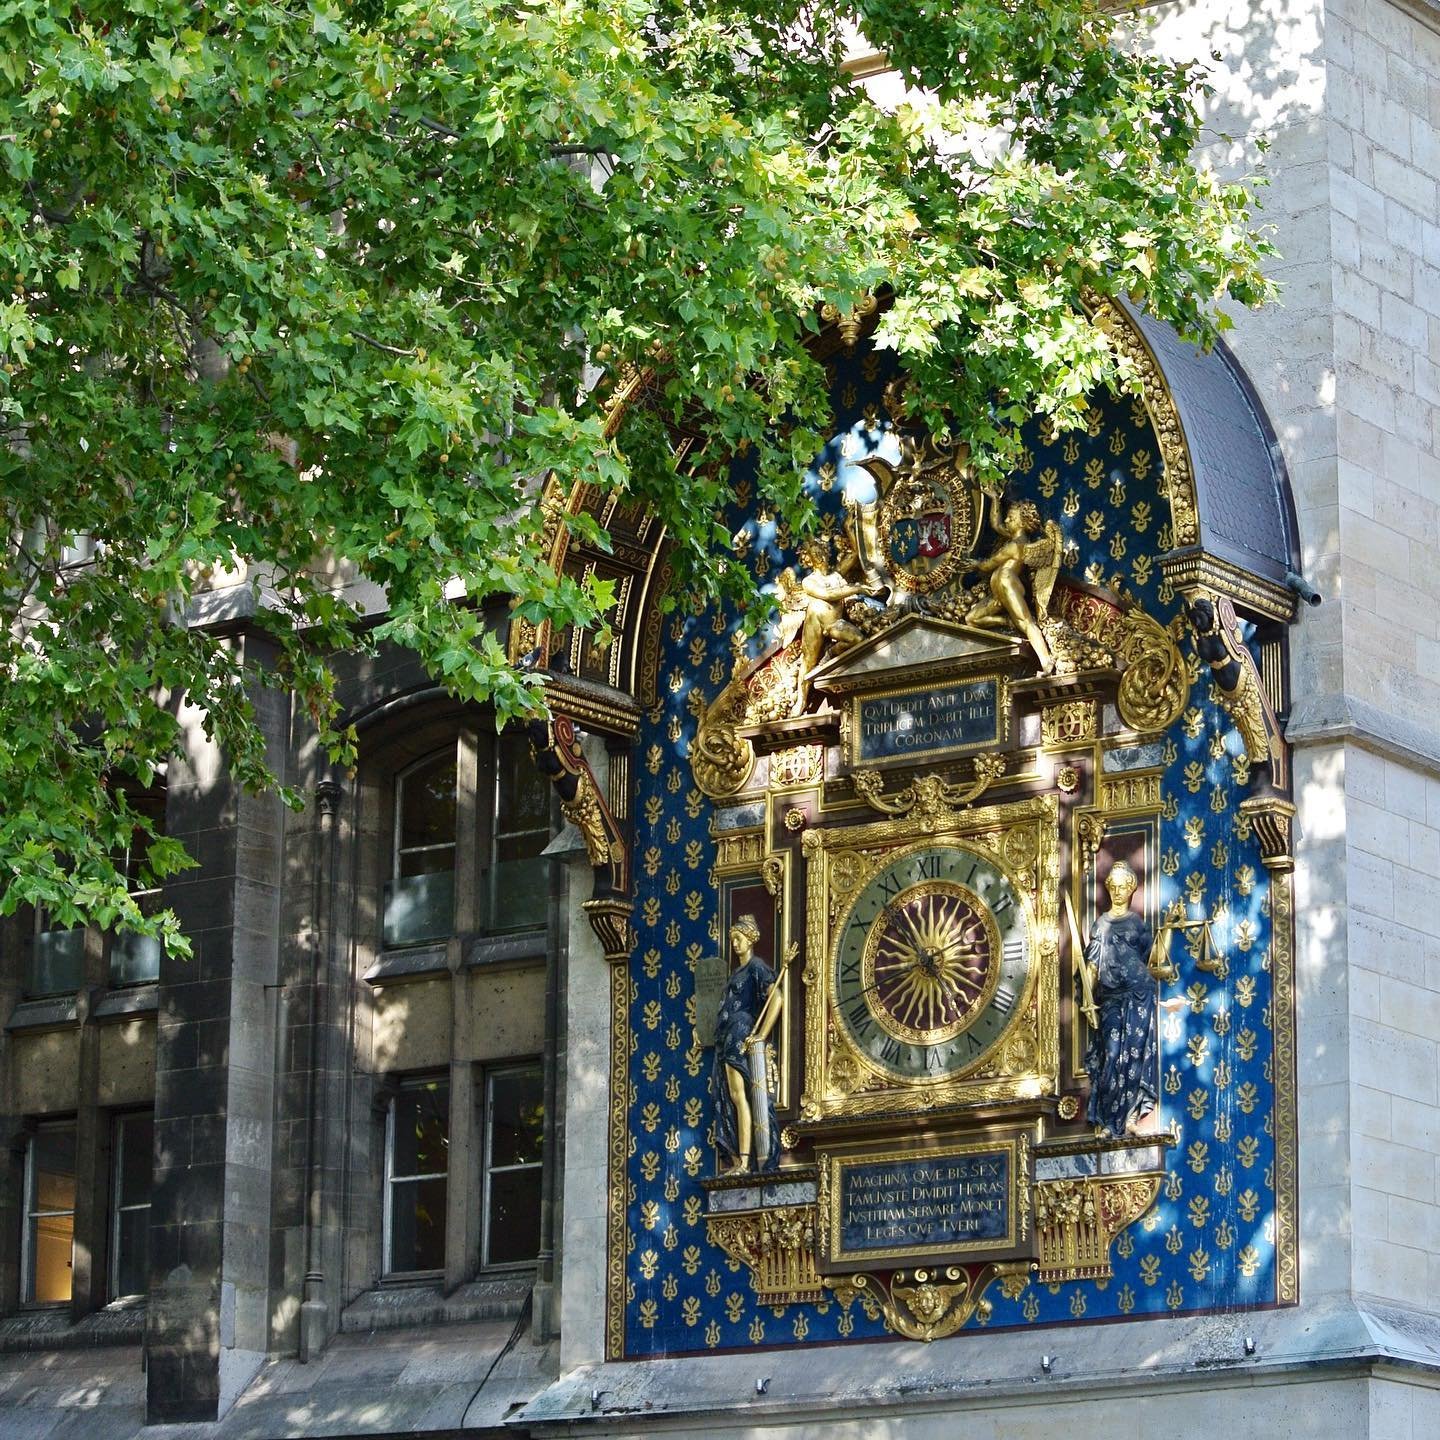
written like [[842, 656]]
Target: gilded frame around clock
[[1021, 839]]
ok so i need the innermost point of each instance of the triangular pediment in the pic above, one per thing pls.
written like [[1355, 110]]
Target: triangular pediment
[[916, 644]]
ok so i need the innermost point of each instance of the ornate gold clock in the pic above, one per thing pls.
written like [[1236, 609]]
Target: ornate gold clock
[[930, 974]]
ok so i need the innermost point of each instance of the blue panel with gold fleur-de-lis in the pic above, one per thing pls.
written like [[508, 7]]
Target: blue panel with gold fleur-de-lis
[[1209, 1243]]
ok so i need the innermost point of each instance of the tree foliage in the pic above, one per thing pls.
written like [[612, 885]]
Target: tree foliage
[[298, 291]]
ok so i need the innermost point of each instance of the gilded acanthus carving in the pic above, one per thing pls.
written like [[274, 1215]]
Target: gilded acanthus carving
[[777, 1245]]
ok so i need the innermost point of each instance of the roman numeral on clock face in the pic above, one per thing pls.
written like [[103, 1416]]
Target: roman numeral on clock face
[[927, 867]]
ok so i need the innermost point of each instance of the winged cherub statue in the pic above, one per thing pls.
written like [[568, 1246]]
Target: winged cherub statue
[[1015, 557]]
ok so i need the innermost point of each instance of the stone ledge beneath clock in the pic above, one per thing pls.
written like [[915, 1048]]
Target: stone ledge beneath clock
[[1102, 1158], [730, 1193]]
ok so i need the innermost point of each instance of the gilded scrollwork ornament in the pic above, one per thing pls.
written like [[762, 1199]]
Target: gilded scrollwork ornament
[[928, 796], [1155, 684]]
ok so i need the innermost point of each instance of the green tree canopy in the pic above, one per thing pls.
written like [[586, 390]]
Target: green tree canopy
[[305, 288]]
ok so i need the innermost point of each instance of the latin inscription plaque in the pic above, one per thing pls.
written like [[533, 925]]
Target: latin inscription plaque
[[950, 1200], [908, 724]]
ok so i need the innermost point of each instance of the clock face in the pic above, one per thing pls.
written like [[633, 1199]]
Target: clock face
[[931, 962]]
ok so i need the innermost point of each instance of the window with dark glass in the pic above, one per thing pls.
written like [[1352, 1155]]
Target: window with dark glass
[[48, 1243], [514, 1129], [517, 880], [130, 1206], [417, 1165], [135, 959], [420, 898]]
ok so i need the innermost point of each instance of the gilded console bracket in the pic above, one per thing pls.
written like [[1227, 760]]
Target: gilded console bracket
[[1076, 1221], [777, 1245]]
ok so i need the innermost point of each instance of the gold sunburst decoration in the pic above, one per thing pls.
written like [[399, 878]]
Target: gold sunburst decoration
[[930, 963]]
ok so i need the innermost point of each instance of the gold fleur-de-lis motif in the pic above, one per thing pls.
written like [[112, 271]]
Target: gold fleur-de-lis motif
[[690, 1309], [1194, 832], [694, 803], [1247, 1152], [1140, 569], [1197, 1156], [690, 1261], [1149, 1269], [1049, 481], [1195, 883], [693, 1159], [1248, 1203], [1193, 722], [691, 1213], [1245, 1042], [1245, 879], [1242, 825], [1247, 1097], [1197, 1102], [1199, 1210], [1140, 463], [650, 1164], [1197, 995], [1094, 524], [654, 808], [649, 1313], [694, 1110], [734, 1306], [1199, 1264], [1140, 516], [1249, 1261], [1094, 473], [650, 1214]]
